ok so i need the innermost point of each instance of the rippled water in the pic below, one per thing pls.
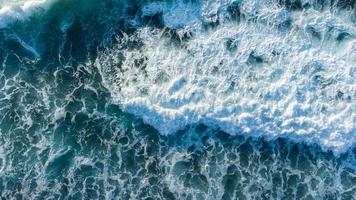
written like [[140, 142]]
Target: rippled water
[[68, 87]]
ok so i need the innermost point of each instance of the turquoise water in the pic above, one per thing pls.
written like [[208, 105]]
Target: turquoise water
[[64, 136]]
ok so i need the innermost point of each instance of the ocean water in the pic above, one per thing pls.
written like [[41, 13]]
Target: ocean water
[[178, 99]]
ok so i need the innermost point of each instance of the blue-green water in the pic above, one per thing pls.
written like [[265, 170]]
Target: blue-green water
[[63, 136]]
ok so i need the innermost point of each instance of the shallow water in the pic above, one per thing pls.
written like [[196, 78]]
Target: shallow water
[[66, 131]]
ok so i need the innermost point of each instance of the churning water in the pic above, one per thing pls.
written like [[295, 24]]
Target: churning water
[[178, 99]]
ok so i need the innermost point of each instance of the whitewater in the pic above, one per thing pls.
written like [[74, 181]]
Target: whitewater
[[246, 67], [14, 10], [177, 99]]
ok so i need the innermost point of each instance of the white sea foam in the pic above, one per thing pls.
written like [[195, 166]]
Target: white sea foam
[[13, 10], [256, 78]]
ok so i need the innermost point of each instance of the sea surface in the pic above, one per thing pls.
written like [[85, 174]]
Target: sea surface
[[178, 99]]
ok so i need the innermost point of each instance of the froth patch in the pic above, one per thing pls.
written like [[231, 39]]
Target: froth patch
[[252, 78], [20, 10]]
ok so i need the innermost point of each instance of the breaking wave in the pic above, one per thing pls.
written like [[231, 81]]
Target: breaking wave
[[254, 99], [14, 10], [248, 67]]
